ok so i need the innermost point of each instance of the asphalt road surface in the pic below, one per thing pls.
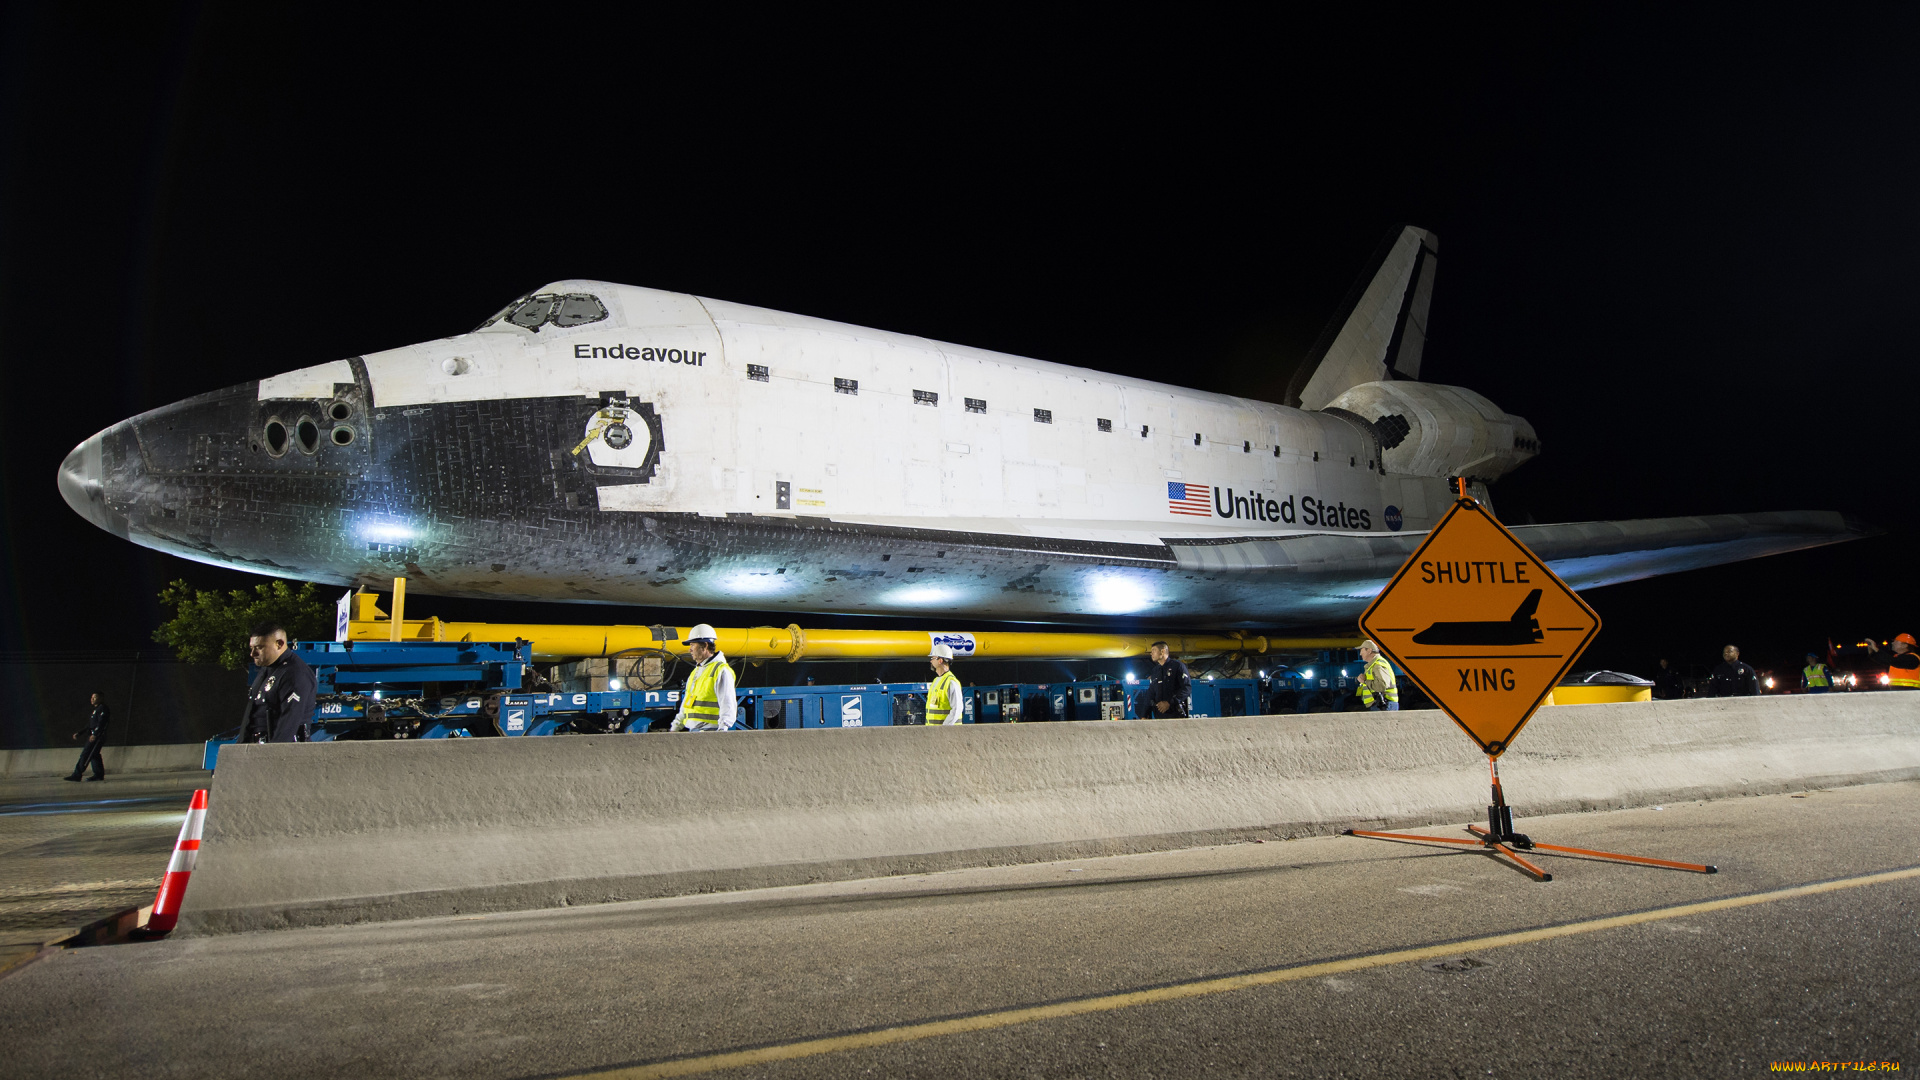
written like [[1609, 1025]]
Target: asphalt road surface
[[1357, 957], [71, 853]]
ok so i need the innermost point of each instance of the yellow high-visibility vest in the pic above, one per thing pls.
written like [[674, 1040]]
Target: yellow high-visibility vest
[[702, 703], [1378, 670], [941, 695], [1816, 675]]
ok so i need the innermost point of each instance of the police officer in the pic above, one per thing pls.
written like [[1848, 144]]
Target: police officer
[[945, 703], [1377, 689], [96, 735], [280, 700], [1667, 685], [708, 703], [1815, 678], [1903, 667], [1731, 678], [1169, 684]]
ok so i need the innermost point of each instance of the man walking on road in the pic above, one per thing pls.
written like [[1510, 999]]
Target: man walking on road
[[945, 703], [1377, 690], [1815, 678], [280, 701], [96, 737], [1903, 667], [709, 703], [1667, 685], [1169, 685], [1731, 678]]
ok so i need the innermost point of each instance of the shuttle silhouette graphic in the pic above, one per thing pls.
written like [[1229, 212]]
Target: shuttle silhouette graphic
[[1521, 629]]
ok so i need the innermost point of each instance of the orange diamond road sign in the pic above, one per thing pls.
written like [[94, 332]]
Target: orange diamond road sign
[[1484, 628]]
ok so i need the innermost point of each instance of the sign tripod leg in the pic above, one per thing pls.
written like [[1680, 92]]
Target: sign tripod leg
[[1500, 840]]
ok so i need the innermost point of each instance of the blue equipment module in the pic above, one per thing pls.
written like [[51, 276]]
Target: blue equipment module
[[447, 690]]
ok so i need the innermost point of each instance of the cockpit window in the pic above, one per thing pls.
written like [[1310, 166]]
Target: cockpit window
[[532, 313], [558, 309], [578, 309]]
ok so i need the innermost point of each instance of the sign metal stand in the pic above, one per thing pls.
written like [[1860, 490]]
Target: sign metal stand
[[1501, 699]]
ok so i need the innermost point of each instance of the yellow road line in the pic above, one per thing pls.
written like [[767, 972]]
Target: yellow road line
[[834, 1044]]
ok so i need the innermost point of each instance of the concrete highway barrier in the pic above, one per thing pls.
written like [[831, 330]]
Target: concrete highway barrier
[[316, 834], [58, 761]]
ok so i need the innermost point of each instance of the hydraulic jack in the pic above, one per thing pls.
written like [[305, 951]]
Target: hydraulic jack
[[1501, 841]]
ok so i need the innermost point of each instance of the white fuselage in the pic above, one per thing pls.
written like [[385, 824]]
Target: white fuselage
[[868, 426]]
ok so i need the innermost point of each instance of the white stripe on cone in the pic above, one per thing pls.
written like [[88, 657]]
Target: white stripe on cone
[[173, 887]]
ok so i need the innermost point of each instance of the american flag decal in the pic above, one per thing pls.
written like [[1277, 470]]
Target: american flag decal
[[1192, 499]]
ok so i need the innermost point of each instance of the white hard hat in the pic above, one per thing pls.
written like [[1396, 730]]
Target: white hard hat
[[944, 652], [702, 632]]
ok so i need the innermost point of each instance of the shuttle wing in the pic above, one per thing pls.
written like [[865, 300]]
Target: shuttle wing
[[1590, 554], [1585, 554]]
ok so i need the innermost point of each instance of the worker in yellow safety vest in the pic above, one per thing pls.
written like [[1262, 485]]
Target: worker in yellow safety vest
[[945, 703], [1903, 667], [708, 704], [1377, 689], [1815, 678]]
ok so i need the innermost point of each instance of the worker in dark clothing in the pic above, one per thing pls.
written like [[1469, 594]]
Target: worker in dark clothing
[[1903, 667], [280, 700], [1169, 685], [96, 737], [1731, 678], [1667, 685]]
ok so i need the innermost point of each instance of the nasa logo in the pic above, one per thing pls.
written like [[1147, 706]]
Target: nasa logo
[[961, 644], [1394, 521]]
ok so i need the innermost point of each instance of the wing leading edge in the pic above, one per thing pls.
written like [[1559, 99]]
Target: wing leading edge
[[1586, 554]]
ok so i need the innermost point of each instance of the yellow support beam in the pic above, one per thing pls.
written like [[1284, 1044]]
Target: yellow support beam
[[553, 641]]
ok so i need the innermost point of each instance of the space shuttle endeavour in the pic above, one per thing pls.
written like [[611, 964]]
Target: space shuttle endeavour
[[611, 444]]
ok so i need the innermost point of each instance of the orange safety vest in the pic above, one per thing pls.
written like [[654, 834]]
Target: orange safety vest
[[1908, 677]]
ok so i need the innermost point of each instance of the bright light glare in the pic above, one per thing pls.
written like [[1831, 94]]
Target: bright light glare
[[1130, 677], [753, 582], [1114, 594], [1769, 682], [921, 596], [1307, 674], [1886, 680], [1263, 674], [613, 684], [386, 532]]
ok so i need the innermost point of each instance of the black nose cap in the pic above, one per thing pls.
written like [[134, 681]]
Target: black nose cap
[[83, 485]]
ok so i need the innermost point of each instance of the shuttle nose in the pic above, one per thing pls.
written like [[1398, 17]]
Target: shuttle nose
[[83, 485]]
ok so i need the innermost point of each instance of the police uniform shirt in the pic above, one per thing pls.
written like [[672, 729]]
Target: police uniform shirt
[[280, 701], [1169, 682], [1733, 678]]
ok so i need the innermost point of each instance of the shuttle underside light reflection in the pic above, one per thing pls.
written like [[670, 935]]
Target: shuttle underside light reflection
[[603, 443]]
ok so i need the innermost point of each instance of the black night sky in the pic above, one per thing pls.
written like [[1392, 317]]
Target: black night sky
[[1685, 250]]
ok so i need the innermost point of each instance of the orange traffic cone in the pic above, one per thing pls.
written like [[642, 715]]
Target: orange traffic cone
[[173, 887]]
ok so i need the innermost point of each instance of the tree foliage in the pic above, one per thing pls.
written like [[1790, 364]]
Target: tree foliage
[[210, 626]]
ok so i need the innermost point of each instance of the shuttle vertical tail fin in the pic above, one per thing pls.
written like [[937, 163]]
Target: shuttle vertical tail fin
[[1380, 329], [1524, 613]]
